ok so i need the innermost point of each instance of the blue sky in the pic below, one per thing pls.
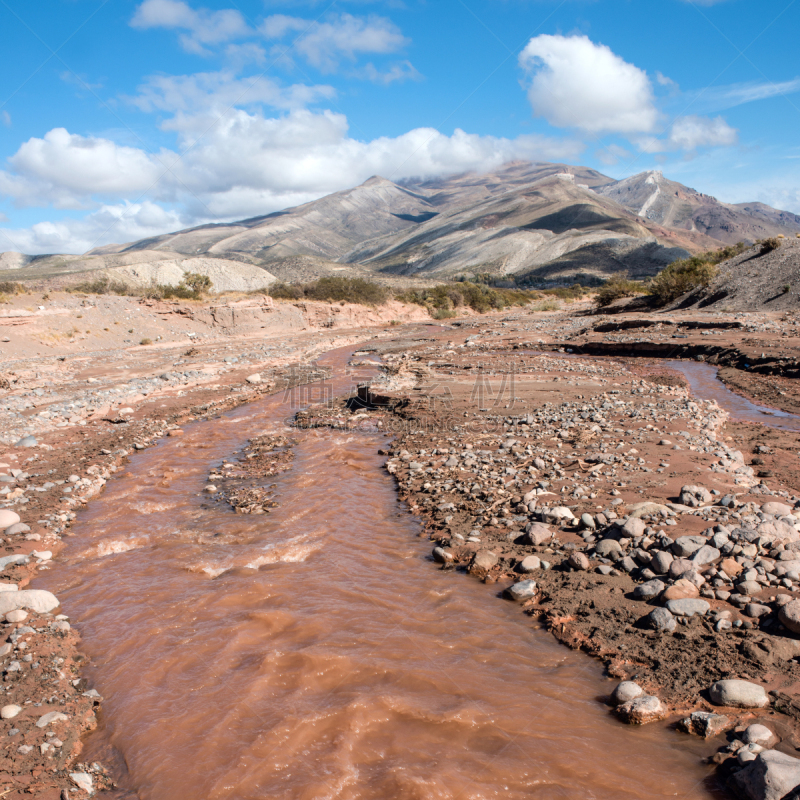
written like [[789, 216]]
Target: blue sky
[[120, 120]]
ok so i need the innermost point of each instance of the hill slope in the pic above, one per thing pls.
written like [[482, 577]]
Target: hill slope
[[537, 222]]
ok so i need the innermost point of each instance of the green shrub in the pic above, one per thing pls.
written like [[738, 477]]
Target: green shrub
[[681, 277], [787, 288], [102, 285], [333, 290], [197, 283], [478, 297], [443, 313], [11, 287], [548, 305], [768, 245], [616, 288], [574, 292]]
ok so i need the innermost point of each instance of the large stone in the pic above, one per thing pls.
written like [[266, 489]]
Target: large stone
[[558, 514], [685, 546], [749, 588], [523, 590], [587, 521], [17, 528], [681, 590], [687, 607], [694, 496], [529, 564], [679, 567], [649, 590], [789, 615], [443, 555], [705, 724], [730, 567], [483, 561], [757, 610], [661, 620], [647, 509], [660, 562], [37, 600], [8, 518], [776, 509], [771, 776], [578, 561], [537, 533], [608, 548], [50, 718], [642, 710], [738, 694], [633, 527], [626, 691], [705, 555], [758, 734], [27, 441]]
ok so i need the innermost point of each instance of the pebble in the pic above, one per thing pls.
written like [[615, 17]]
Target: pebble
[[642, 710], [758, 734], [529, 564], [8, 518], [83, 780], [738, 694], [578, 561], [649, 590], [789, 615], [705, 724], [18, 527], [18, 615], [27, 441], [50, 718]]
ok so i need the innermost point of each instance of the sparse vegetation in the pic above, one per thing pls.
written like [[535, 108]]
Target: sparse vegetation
[[199, 284], [146, 341], [333, 290], [574, 292], [478, 297], [103, 285], [787, 288], [616, 288], [768, 245], [692, 273], [11, 288], [192, 287]]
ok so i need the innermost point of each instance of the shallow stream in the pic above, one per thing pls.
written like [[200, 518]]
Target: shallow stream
[[315, 652]]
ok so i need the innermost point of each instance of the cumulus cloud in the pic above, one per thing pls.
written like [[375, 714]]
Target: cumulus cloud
[[575, 83], [110, 223], [245, 165], [203, 27], [690, 133], [325, 44]]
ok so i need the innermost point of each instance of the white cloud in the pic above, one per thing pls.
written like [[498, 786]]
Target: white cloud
[[721, 97], [575, 83], [204, 91], [110, 223], [204, 27], [689, 133], [401, 71], [325, 44], [243, 166]]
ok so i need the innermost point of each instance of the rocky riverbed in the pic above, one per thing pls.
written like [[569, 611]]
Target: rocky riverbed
[[632, 520]]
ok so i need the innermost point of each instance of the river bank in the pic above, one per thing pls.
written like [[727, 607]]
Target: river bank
[[477, 411]]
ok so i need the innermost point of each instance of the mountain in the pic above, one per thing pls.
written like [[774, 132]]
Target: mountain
[[535, 222], [655, 198]]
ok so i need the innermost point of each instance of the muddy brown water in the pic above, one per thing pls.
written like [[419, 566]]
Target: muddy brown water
[[316, 652]]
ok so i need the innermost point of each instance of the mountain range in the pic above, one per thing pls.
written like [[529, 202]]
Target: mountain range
[[537, 223]]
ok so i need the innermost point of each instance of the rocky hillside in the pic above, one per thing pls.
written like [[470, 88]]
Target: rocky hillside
[[655, 198], [754, 282], [537, 223]]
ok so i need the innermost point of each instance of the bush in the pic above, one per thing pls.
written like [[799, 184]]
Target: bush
[[102, 285], [146, 341], [574, 292], [548, 305], [681, 277], [333, 290], [616, 288], [196, 282], [478, 297], [10, 287], [768, 245]]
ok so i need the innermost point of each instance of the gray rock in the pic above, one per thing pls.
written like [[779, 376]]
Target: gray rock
[[633, 528], [687, 545], [625, 692], [694, 496], [607, 548], [587, 521], [757, 610], [660, 562], [522, 590], [687, 607], [578, 561], [17, 528], [758, 734], [661, 620], [27, 441], [789, 615], [483, 561], [37, 600], [770, 776], [642, 710], [649, 590], [537, 533], [705, 555], [749, 588], [705, 724], [50, 718], [529, 564], [628, 564], [738, 694], [443, 555], [679, 567]]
